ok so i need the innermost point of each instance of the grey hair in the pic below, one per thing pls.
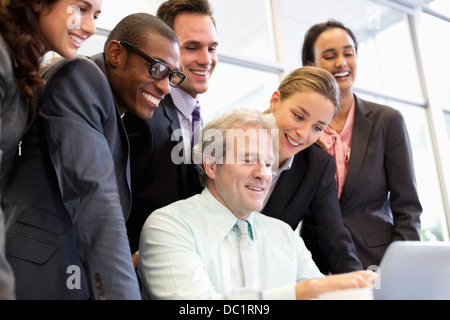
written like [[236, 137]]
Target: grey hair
[[213, 135]]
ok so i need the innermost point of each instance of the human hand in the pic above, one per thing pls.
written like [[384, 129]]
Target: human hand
[[49, 61], [312, 288]]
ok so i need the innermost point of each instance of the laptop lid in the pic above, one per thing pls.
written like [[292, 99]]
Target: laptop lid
[[413, 270]]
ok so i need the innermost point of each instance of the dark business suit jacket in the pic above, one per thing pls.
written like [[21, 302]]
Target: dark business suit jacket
[[13, 120], [379, 201], [308, 189], [157, 177], [69, 192]]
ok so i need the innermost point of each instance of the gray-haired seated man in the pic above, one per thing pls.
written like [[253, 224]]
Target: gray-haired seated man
[[191, 249]]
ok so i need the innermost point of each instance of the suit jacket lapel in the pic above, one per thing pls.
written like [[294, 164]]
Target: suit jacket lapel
[[286, 186], [360, 140], [99, 60], [188, 172], [171, 112]]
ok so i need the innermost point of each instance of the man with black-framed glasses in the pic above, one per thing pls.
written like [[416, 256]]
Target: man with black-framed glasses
[[70, 185], [158, 69], [162, 171]]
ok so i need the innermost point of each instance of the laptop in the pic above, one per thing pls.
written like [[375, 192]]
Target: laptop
[[413, 270]]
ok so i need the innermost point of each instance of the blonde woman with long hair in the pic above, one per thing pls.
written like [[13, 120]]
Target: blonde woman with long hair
[[304, 185]]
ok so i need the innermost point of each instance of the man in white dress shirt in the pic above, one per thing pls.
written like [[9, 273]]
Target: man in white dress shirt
[[189, 249]]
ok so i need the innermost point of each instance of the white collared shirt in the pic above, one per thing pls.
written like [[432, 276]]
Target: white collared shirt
[[189, 250], [285, 166]]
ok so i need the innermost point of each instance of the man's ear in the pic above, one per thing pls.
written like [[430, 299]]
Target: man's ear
[[209, 165], [115, 53]]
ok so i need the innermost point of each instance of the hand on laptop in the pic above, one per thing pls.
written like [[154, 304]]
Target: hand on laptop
[[311, 289]]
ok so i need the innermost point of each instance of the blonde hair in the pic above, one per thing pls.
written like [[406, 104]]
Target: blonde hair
[[314, 79]]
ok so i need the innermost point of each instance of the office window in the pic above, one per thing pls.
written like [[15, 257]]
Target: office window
[[114, 10], [244, 29], [433, 217], [434, 52], [93, 45], [387, 64], [447, 123], [436, 68], [235, 86], [297, 16]]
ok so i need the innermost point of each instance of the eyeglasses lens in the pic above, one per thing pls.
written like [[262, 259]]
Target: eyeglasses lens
[[176, 79], [159, 71]]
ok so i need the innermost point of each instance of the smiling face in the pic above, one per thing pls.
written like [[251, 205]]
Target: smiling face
[[198, 56], [301, 119], [66, 24], [134, 89], [243, 181], [334, 50]]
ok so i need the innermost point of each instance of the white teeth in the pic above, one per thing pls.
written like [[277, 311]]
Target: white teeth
[[76, 39], [254, 188], [341, 74], [292, 141], [200, 73], [151, 98]]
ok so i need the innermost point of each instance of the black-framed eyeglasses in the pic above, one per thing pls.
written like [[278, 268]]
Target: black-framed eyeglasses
[[158, 69]]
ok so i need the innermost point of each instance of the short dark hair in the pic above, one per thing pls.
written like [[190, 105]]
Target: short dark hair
[[315, 31], [168, 10], [136, 28]]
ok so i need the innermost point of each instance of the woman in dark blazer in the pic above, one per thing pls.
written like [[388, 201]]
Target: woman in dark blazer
[[304, 186], [28, 29], [375, 172]]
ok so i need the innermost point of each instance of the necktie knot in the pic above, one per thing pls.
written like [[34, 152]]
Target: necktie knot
[[242, 226], [196, 113]]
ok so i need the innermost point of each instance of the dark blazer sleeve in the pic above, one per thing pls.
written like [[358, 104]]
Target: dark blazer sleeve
[[82, 130], [6, 274], [323, 228], [307, 193], [405, 204], [379, 201], [8, 93]]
